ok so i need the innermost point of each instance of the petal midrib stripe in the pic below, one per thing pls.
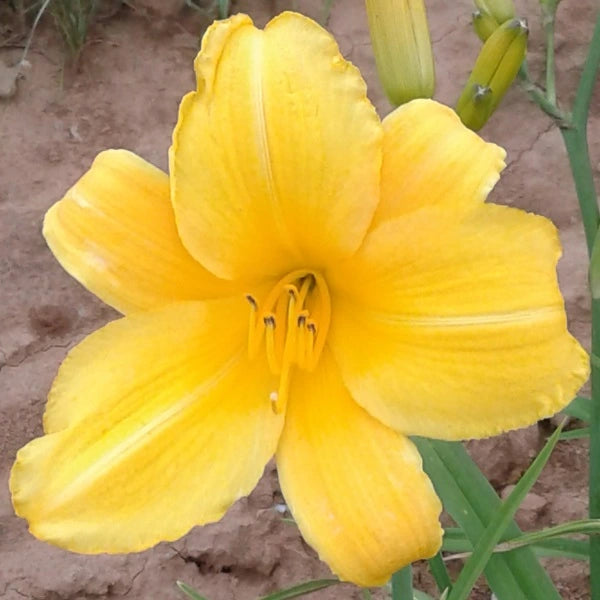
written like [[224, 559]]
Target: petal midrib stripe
[[142, 436], [497, 318]]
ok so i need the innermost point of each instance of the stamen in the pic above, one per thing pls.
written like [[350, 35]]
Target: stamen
[[282, 394], [324, 319], [311, 328], [294, 320], [252, 337], [270, 325], [252, 301], [273, 397], [301, 339]]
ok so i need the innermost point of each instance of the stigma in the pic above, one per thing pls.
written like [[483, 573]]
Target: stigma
[[291, 324]]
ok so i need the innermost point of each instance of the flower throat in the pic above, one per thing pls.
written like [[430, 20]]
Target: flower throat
[[292, 322]]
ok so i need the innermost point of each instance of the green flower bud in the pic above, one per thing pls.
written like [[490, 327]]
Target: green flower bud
[[402, 47], [501, 10], [484, 24], [475, 113], [495, 69]]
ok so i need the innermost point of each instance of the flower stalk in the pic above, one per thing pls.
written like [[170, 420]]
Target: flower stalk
[[574, 134]]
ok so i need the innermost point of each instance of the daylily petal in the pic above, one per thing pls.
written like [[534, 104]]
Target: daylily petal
[[429, 158], [114, 231], [455, 328], [155, 423], [276, 157], [355, 487]]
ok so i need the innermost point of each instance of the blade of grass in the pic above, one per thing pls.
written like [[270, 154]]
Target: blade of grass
[[580, 408], [459, 546], [484, 547], [418, 595], [575, 434], [402, 584], [585, 526], [472, 502], [189, 591], [563, 548], [301, 590], [439, 572]]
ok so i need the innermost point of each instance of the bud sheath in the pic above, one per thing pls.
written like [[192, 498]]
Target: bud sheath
[[402, 47], [501, 10], [495, 69], [484, 24]]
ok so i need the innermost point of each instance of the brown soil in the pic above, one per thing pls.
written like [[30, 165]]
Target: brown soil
[[125, 93]]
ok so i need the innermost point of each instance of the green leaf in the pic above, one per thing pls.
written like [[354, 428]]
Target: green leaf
[[472, 503], [563, 548], [497, 525], [402, 584], [300, 590], [439, 572], [223, 8], [418, 595], [595, 268], [455, 542], [189, 591], [575, 434], [580, 408], [585, 526]]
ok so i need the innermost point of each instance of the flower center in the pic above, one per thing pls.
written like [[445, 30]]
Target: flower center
[[292, 322]]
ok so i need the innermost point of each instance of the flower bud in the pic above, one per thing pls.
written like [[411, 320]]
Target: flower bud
[[475, 113], [501, 10], [402, 47], [484, 24], [495, 69]]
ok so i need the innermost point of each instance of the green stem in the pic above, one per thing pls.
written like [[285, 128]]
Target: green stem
[[440, 573], [402, 584], [581, 105], [594, 474], [575, 140], [537, 94], [549, 20], [576, 144]]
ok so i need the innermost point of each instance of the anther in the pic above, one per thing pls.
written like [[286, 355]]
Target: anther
[[253, 338], [270, 342], [292, 291], [273, 397]]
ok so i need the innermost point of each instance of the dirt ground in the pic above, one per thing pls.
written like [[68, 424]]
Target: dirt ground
[[133, 71]]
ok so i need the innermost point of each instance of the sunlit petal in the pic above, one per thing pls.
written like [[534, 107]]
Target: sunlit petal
[[276, 157], [114, 231], [431, 158], [155, 423], [355, 487], [461, 331]]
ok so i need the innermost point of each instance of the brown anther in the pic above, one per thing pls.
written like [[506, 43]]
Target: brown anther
[[312, 327], [269, 321], [252, 301], [301, 320]]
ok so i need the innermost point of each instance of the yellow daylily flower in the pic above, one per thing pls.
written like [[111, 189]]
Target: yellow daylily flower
[[307, 282]]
